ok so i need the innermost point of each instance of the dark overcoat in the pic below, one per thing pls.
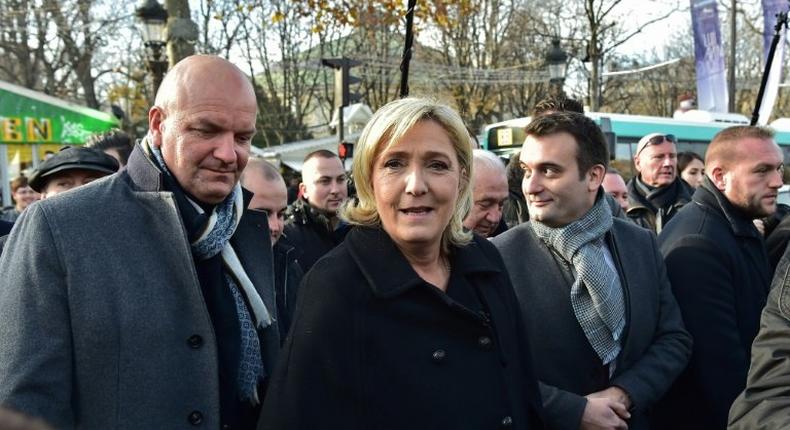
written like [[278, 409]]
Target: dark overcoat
[[103, 324], [373, 346], [655, 345], [719, 271]]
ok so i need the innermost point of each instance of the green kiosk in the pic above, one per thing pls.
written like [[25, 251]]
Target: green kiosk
[[33, 124]]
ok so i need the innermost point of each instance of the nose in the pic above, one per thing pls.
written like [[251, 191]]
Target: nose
[[776, 180], [415, 183], [226, 148], [531, 185], [667, 161], [494, 214]]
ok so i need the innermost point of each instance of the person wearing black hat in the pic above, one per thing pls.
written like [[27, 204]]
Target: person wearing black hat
[[72, 167]]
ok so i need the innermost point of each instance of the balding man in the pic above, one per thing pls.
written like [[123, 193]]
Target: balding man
[[271, 199], [720, 275], [489, 192], [614, 185], [144, 300]]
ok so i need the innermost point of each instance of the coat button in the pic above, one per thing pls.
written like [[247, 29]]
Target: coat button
[[507, 422], [195, 341], [195, 418], [484, 342], [439, 355]]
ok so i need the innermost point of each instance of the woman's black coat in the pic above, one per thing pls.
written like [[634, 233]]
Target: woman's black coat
[[373, 346]]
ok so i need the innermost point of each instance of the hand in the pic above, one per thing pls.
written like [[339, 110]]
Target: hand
[[614, 393], [602, 413]]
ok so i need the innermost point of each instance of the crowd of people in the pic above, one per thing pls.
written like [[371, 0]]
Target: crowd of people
[[178, 282]]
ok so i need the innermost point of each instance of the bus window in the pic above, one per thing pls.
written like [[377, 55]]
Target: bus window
[[505, 137]]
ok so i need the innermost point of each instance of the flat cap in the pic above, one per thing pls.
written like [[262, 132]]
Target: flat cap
[[69, 158]]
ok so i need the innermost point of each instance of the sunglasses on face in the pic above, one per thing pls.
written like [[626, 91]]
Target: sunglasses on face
[[658, 140]]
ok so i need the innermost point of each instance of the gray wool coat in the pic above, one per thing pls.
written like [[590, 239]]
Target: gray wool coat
[[656, 346], [103, 324]]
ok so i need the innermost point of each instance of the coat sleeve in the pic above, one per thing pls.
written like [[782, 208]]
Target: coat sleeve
[[562, 409], [701, 279], [653, 373], [314, 384], [35, 331], [765, 401]]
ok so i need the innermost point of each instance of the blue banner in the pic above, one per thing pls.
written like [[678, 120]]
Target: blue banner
[[771, 8], [709, 57]]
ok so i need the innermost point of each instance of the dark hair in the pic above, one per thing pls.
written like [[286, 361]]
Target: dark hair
[[113, 139], [557, 104], [320, 153], [685, 158], [591, 147], [18, 182]]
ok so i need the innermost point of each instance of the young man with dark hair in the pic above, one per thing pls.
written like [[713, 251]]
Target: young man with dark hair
[[114, 143], [606, 333]]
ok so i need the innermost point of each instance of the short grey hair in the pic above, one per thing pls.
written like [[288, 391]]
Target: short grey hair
[[488, 159]]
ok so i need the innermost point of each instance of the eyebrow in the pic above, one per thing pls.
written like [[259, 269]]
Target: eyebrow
[[214, 126]]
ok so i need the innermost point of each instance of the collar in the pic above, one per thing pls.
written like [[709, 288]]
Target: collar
[[709, 196], [390, 274], [673, 194]]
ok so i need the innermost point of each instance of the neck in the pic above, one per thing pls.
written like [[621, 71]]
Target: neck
[[428, 262]]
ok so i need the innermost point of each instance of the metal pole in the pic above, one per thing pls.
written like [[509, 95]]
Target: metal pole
[[731, 68], [5, 186], [781, 21], [404, 65]]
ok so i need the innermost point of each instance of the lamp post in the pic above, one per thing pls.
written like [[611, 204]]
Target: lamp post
[[556, 59], [153, 18]]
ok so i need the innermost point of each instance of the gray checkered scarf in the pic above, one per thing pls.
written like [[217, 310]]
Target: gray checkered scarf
[[596, 294]]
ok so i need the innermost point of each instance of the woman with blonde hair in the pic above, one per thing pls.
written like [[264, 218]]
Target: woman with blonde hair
[[411, 322]]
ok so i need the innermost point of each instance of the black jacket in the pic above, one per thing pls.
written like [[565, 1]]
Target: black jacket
[[654, 210], [720, 275], [287, 277], [310, 232], [373, 346]]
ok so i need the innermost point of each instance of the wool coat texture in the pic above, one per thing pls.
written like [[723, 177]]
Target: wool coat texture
[[720, 274], [103, 324], [655, 345], [373, 346]]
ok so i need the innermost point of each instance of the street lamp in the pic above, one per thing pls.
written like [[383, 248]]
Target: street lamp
[[556, 59], [153, 18]]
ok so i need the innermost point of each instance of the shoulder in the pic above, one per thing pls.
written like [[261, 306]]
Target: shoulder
[[513, 237]]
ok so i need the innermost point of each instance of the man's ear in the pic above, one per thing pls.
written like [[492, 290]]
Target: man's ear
[[302, 189], [595, 177], [156, 125], [718, 176]]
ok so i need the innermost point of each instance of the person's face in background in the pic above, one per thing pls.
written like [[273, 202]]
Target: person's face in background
[[24, 196], [324, 183], [68, 179], [657, 164], [614, 184], [271, 198], [693, 173]]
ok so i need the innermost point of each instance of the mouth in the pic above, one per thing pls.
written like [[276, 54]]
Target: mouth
[[416, 211], [539, 203]]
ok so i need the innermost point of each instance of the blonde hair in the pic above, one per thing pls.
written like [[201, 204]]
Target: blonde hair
[[386, 128]]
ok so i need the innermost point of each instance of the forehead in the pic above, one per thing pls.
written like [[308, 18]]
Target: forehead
[[666, 147], [229, 102], [321, 166], [487, 177], [426, 135], [558, 148], [613, 182], [752, 151]]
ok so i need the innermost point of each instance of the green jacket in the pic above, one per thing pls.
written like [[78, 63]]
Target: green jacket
[[765, 402]]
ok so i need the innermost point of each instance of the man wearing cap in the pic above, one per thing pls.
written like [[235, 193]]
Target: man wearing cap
[[72, 167], [656, 193], [145, 300], [720, 275]]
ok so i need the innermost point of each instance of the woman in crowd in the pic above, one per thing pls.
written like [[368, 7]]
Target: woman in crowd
[[23, 196], [411, 322], [691, 167]]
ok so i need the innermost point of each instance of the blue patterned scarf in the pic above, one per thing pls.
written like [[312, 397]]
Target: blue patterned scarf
[[215, 239]]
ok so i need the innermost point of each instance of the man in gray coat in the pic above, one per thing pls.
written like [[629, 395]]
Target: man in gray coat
[[606, 333], [144, 300]]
